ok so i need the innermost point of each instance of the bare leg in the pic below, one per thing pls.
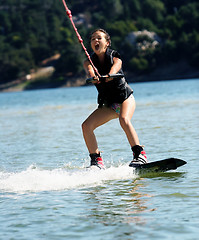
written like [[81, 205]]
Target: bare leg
[[99, 117], [126, 113]]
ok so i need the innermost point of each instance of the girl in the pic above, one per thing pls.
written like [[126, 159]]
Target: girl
[[115, 99]]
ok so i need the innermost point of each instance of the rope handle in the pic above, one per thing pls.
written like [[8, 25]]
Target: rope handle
[[104, 78]]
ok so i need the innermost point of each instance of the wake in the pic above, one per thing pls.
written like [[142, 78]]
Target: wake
[[34, 179]]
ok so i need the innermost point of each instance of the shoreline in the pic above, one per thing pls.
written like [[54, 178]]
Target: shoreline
[[175, 71]]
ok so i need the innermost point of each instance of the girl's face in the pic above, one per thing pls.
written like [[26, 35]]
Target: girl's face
[[99, 42]]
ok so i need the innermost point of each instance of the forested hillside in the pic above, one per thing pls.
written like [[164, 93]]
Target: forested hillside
[[34, 30]]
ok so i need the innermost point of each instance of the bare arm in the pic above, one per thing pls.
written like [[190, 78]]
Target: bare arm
[[89, 69], [90, 72], [117, 65]]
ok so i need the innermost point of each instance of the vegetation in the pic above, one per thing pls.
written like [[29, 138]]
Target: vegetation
[[31, 31]]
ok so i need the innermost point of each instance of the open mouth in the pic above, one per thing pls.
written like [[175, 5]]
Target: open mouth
[[97, 47]]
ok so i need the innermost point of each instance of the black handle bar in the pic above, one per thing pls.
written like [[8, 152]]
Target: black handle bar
[[103, 78]]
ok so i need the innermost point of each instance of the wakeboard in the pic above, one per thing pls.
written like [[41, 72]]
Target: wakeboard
[[160, 166]]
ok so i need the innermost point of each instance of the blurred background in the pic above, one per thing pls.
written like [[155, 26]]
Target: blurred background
[[158, 40]]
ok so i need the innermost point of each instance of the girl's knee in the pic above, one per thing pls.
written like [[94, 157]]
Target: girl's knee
[[124, 121], [86, 126]]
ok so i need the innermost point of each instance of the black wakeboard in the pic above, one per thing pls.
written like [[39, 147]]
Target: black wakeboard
[[160, 166]]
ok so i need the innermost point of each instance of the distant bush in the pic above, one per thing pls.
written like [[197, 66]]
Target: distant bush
[[31, 31]]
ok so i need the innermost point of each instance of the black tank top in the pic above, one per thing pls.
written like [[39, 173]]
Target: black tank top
[[115, 91]]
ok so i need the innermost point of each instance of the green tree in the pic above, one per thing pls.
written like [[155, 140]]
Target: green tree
[[139, 65], [31, 31], [190, 15], [120, 28], [154, 10], [132, 9]]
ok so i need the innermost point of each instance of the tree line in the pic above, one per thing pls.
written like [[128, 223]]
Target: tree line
[[31, 31]]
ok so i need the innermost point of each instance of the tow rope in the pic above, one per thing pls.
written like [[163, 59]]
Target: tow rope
[[68, 12]]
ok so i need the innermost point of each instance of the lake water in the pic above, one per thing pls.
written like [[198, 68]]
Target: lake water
[[46, 191]]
